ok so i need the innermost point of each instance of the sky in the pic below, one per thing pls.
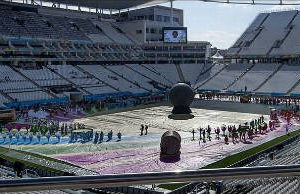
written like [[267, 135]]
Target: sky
[[220, 24]]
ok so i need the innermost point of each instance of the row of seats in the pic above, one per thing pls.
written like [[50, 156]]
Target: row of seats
[[35, 25], [273, 34], [141, 78], [70, 49], [288, 156], [263, 78]]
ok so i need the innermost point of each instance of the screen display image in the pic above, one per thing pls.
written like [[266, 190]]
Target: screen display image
[[175, 35]]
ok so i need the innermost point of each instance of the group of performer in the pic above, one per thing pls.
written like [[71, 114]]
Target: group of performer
[[28, 136], [99, 137], [144, 128], [237, 134], [269, 100]]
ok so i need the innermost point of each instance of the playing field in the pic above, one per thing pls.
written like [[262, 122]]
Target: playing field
[[136, 153]]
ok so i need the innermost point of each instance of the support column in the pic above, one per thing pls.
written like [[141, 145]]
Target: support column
[[171, 12]]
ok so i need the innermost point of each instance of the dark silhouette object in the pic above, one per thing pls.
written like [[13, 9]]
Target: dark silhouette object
[[181, 97], [170, 146], [18, 168]]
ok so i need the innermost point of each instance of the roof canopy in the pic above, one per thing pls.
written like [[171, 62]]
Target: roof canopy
[[126, 4], [110, 4]]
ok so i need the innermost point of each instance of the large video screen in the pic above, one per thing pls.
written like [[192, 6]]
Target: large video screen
[[175, 35]]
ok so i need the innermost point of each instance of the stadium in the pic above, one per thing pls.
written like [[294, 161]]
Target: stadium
[[110, 96]]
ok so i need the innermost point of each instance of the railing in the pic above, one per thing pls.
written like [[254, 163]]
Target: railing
[[83, 182]]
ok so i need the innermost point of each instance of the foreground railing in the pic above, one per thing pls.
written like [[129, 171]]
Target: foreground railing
[[83, 182]]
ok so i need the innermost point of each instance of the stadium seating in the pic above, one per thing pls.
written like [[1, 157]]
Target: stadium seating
[[150, 73], [2, 101], [248, 35], [282, 81], [226, 76], [30, 96], [115, 33], [43, 77], [74, 75], [270, 34], [192, 71], [287, 156], [166, 70], [273, 29], [209, 74], [257, 75], [133, 76], [116, 81]]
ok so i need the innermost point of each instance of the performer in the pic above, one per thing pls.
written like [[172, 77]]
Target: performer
[[30, 137], [217, 131], [4, 137], [119, 136], [48, 136], [193, 132], [200, 133], [58, 136], [24, 137], [110, 135], [208, 133], [10, 136], [17, 135], [142, 129], [96, 138], [223, 128], [146, 129], [203, 134], [101, 137], [226, 139], [38, 136]]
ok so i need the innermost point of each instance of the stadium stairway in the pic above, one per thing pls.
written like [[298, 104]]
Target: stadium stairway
[[289, 28], [112, 33], [270, 76], [91, 75], [180, 73], [126, 35], [66, 79], [260, 29], [156, 72], [238, 78], [125, 78], [293, 87], [6, 96], [212, 77], [138, 72], [204, 72], [33, 82]]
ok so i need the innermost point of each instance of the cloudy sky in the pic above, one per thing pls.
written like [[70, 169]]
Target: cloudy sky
[[221, 24]]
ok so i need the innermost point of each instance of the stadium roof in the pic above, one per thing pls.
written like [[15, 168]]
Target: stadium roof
[[126, 4], [110, 4]]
